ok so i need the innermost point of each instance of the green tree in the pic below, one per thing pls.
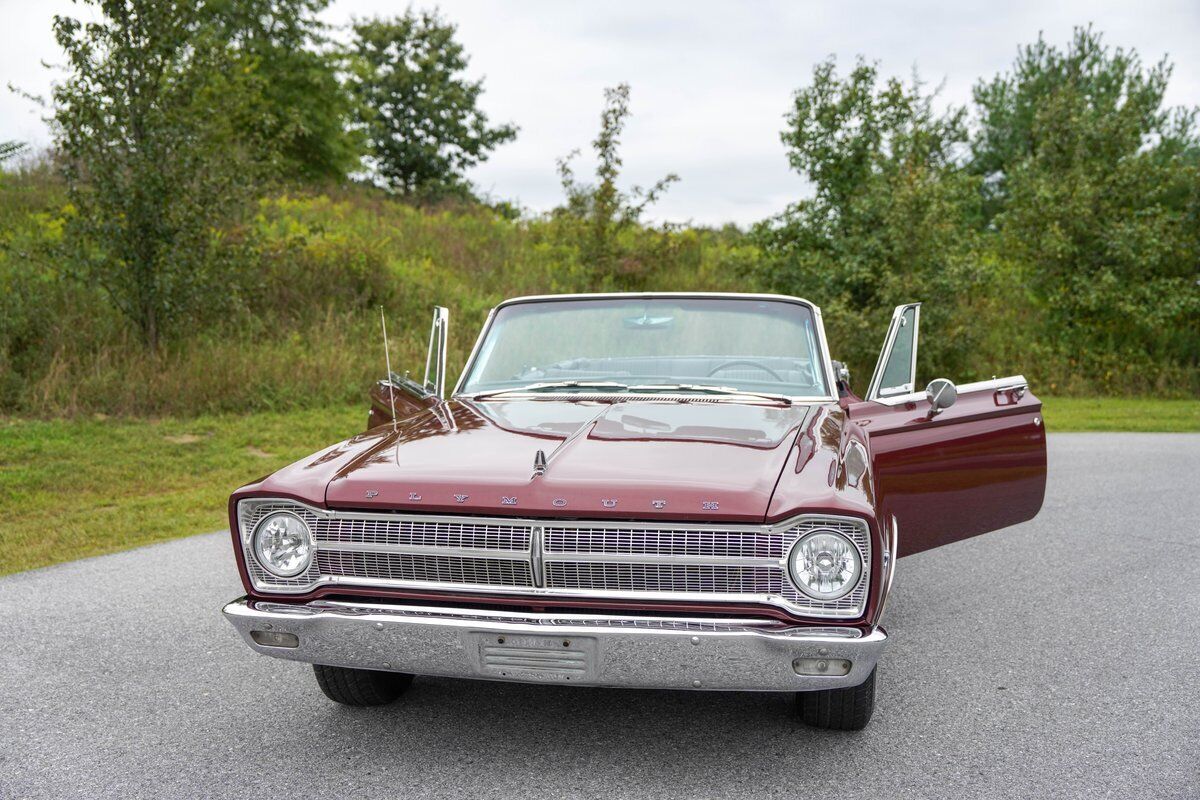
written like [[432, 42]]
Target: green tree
[[420, 115], [894, 215], [604, 210], [305, 111], [10, 150], [1095, 188], [150, 122]]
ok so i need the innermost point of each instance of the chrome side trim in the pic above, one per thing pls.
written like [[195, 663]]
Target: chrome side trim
[[889, 568], [1015, 382], [636, 651], [830, 381]]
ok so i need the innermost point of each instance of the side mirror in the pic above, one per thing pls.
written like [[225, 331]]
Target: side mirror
[[841, 373], [941, 394]]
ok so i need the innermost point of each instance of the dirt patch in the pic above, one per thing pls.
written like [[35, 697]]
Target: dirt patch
[[254, 451], [183, 438]]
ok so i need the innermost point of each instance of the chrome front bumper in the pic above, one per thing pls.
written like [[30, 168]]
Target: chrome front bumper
[[584, 649]]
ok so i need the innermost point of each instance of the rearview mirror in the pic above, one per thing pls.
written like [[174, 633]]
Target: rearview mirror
[[647, 322], [941, 394]]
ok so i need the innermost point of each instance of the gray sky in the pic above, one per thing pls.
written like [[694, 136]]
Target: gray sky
[[710, 81]]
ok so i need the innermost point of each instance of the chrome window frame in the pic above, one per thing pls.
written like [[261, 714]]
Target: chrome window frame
[[819, 323], [877, 392], [435, 355], [530, 556]]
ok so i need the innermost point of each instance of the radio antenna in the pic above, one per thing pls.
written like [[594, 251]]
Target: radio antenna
[[387, 358]]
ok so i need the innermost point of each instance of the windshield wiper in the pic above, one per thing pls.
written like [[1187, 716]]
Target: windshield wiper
[[707, 389], [546, 386], [615, 387]]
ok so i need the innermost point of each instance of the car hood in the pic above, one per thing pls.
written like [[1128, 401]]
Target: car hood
[[678, 460]]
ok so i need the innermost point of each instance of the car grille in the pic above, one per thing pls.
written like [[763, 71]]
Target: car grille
[[727, 563]]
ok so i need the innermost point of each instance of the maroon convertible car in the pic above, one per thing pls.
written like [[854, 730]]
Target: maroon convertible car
[[675, 491]]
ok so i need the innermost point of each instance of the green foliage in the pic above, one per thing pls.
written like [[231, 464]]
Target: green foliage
[[304, 109], [306, 331], [1096, 190], [606, 217], [894, 217], [1059, 237], [151, 124], [421, 117], [1116, 104]]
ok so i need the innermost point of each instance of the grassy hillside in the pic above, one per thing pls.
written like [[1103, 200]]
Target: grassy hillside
[[297, 322], [299, 326]]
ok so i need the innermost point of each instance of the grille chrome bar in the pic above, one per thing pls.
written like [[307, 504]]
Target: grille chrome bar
[[625, 558], [361, 547], [585, 559]]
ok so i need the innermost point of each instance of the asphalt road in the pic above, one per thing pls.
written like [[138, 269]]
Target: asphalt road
[[1055, 659]]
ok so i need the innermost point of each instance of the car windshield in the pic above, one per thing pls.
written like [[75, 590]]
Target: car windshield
[[678, 344]]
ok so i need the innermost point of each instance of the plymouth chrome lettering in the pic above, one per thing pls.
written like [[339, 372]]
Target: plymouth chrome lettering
[[508, 501], [710, 505]]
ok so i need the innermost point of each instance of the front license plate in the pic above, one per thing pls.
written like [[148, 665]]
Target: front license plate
[[548, 659]]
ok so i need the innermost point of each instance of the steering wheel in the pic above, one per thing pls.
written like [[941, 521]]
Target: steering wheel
[[742, 362]]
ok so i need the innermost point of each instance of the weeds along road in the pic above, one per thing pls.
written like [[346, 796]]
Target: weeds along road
[[1057, 658]]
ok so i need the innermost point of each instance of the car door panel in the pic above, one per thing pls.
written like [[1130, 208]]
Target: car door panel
[[978, 466]]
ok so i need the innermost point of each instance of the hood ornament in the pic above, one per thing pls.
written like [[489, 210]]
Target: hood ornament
[[539, 463]]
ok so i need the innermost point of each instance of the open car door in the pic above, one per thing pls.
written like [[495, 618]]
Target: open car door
[[399, 395], [949, 462]]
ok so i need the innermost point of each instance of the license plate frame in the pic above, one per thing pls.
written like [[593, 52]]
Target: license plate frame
[[539, 658]]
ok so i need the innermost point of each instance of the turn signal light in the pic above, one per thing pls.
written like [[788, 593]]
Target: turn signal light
[[821, 666], [275, 638]]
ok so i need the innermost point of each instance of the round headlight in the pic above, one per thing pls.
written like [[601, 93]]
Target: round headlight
[[825, 565], [283, 544]]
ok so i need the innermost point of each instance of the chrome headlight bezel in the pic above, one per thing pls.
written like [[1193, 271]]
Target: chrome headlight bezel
[[257, 537], [797, 575]]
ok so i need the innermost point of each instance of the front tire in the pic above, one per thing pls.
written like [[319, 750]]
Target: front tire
[[360, 687], [846, 709]]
